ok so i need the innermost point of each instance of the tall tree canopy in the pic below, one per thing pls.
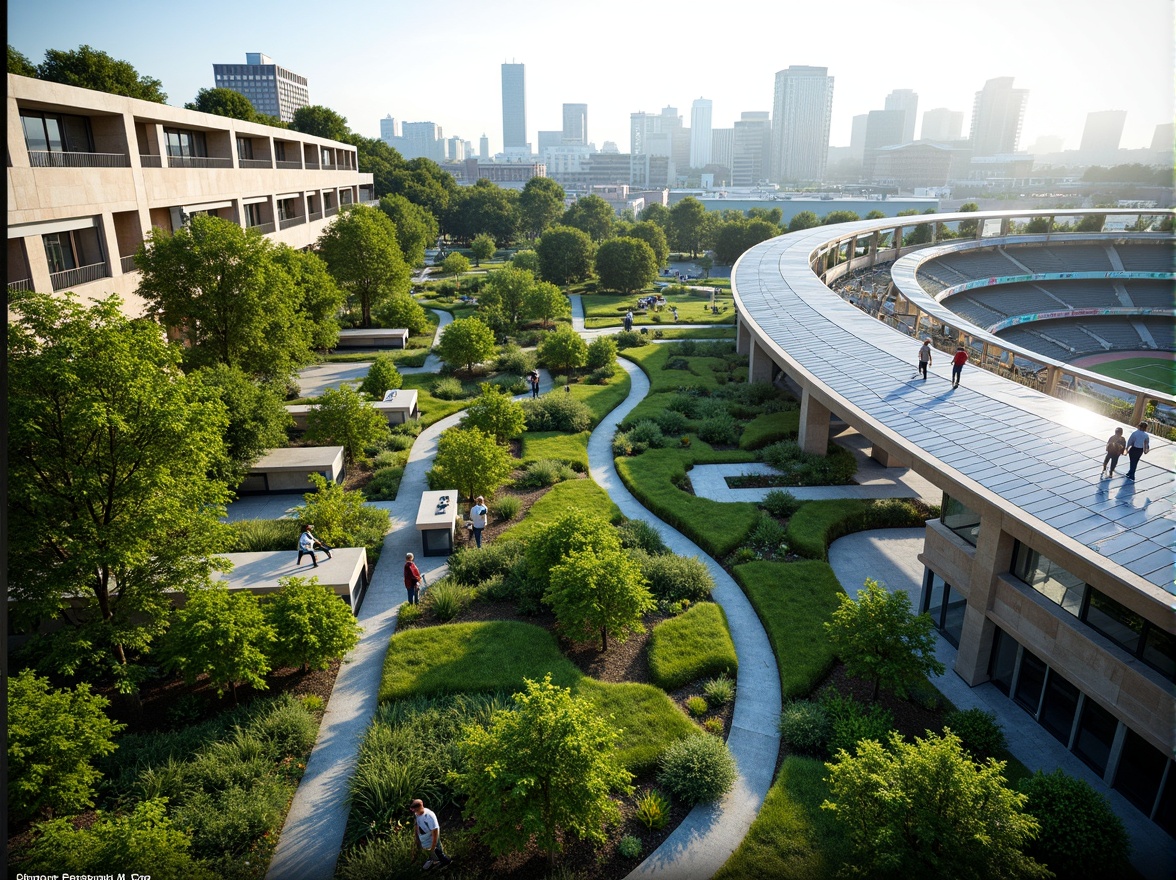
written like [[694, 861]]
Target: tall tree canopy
[[593, 215], [110, 450], [91, 69], [19, 64], [540, 204], [565, 255], [364, 257], [625, 264], [321, 122], [486, 208], [416, 228], [688, 223]]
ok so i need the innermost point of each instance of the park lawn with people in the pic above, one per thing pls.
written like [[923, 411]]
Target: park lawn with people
[[693, 305]]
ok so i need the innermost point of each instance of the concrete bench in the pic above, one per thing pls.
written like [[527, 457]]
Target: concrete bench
[[436, 520], [372, 338], [396, 410], [346, 573], [289, 470]]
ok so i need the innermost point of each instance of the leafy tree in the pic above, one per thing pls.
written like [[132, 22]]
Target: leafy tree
[[575, 531], [545, 302], [968, 227], [221, 289], [874, 215], [528, 259], [223, 635], [565, 255], [732, 239], [470, 460], [343, 418], [541, 203], [654, 236], [466, 342], [839, 217], [879, 639], [1039, 225], [53, 738], [319, 298], [340, 517], [625, 264], [496, 413], [688, 224], [927, 810], [400, 310], [657, 213], [455, 264], [311, 625], [507, 289], [484, 207], [423, 183], [416, 228], [768, 215], [541, 771], [364, 257], [382, 376], [91, 69], [602, 352], [320, 121], [223, 102], [257, 417], [110, 448], [599, 592], [19, 64], [592, 215], [482, 247], [1080, 834], [563, 351], [706, 264], [1089, 223], [376, 158], [803, 220]]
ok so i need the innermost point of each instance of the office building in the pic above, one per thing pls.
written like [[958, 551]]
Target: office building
[[421, 140], [857, 137], [942, 125], [271, 88], [802, 110], [484, 148], [722, 147], [997, 115], [575, 124], [1163, 137], [548, 139], [905, 101], [884, 128], [700, 133], [514, 109], [1103, 132], [389, 130], [79, 206], [751, 153]]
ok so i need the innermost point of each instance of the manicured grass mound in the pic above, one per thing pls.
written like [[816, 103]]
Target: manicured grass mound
[[569, 448], [770, 428], [819, 523], [693, 645], [584, 494]]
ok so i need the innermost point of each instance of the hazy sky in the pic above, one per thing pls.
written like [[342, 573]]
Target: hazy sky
[[440, 62]]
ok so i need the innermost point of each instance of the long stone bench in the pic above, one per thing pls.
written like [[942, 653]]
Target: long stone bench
[[372, 338], [346, 573], [396, 410], [289, 469]]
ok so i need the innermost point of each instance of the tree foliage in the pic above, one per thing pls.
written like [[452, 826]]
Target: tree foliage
[[321, 122], [340, 517], [312, 626], [363, 255], [541, 771], [803, 220], [880, 640], [927, 810], [506, 290], [599, 592], [496, 413], [401, 311], [455, 264], [565, 255], [223, 635], [470, 460], [563, 351], [1080, 834], [416, 227], [90, 68], [484, 208], [688, 223], [541, 203], [545, 302], [732, 239], [602, 352], [625, 264], [110, 499], [482, 247], [466, 342], [318, 297], [591, 215], [256, 413], [19, 64], [53, 738], [575, 531], [343, 418], [224, 102], [654, 236], [381, 376]]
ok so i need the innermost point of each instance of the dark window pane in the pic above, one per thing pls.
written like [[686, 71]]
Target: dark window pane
[[34, 130], [1119, 624], [1057, 710], [1141, 767], [961, 520], [1159, 651], [1003, 661], [953, 618], [1029, 682], [1096, 732], [77, 134], [1048, 578], [53, 131], [1166, 811], [934, 599]]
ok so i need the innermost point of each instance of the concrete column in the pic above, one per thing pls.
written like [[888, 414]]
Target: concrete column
[[994, 550], [1005, 225], [759, 362], [742, 336], [1139, 413], [881, 456], [814, 424], [1052, 375], [873, 253], [38, 263]]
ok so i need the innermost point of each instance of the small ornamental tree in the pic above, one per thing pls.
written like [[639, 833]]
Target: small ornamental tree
[[401, 311], [545, 302], [625, 264], [224, 635], [455, 264], [601, 592], [574, 531], [880, 640], [1080, 834], [382, 376], [483, 248], [466, 342], [53, 736], [311, 625], [340, 518], [926, 809], [470, 460], [602, 352], [542, 771], [343, 418], [496, 413], [563, 351]]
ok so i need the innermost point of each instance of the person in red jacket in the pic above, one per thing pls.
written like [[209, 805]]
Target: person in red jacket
[[412, 579], [957, 366]]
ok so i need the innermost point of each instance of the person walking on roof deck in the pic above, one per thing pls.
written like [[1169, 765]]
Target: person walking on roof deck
[[428, 832], [957, 366], [306, 544], [1138, 444], [478, 518], [925, 357], [1116, 446]]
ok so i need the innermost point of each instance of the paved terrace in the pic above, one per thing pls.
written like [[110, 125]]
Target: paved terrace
[[990, 439]]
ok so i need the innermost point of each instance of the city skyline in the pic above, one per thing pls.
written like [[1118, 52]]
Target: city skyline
[[417, 68]]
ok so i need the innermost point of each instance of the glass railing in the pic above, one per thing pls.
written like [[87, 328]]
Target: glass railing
[[289, 163], [254, 163]]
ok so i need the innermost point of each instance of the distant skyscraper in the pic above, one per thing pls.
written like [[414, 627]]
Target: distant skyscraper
[[514, 108], [907, 101], [884, 128], [270, 88], [1162, 137], [547, 140], [484, 148], [857, 137], [575, 124], [752, 150], [942, 124], [388, 129], [700, 133], [996, 117], [1103, 131], [722, 147], [801, 114], [422, 140]]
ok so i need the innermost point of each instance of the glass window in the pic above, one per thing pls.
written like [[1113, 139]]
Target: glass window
[[77, 134], [1141, 767], [961, 520], [56, 132], [244, 148], [253, 215], [953, 616], [34, 131], [1114, 621], [1048, 578], [1057, 709], [1165, 815], [280, 151], [185, 143], [1159, 650], [59, 252], [1003, 661], [1096, 733], [1029, 682]]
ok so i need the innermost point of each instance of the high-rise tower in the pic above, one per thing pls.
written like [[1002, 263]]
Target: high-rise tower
[[801, 114], [271, 88], [575, 124], [514, 109], [942, 124], [1103, 131], [700, 133], [906, 100], [996, 117]]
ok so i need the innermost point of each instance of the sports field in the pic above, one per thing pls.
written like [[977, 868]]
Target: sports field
[[1151, 372]]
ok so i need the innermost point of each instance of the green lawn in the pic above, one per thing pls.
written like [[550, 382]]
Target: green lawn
[[407, 357], [1151, 372], [817, 524], [769, 428], [703, 372], [600, 399], [608, 310], [693, 645], [557, 445], [434, 409], [583, 494]]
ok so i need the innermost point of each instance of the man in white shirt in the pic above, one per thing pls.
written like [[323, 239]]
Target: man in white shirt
[[1137, 445], [478, 517], [428, 831]]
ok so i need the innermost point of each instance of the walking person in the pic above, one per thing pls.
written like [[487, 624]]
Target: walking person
[[1116, 446], [428, 832], [533, 378], [674, 310], [306, 544], [628, 320], [478, 517], [412, 580], [925, 357], [957, 366], [1138, 445]]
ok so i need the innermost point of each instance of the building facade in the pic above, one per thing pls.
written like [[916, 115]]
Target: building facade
[[700, 133], [1102, 134], [752, 148], [271, 88], [997, 114], [942, 125], [514, 109], [802, 111], [575, 124], [91, 174], [905, 101]]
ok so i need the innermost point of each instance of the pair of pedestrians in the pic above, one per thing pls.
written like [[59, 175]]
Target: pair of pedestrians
[[1136, 446], [957, 362]]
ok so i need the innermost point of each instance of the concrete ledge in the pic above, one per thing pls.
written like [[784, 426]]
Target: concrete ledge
[[372, 338], [346, 573], [289, 469], [397, 410]]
